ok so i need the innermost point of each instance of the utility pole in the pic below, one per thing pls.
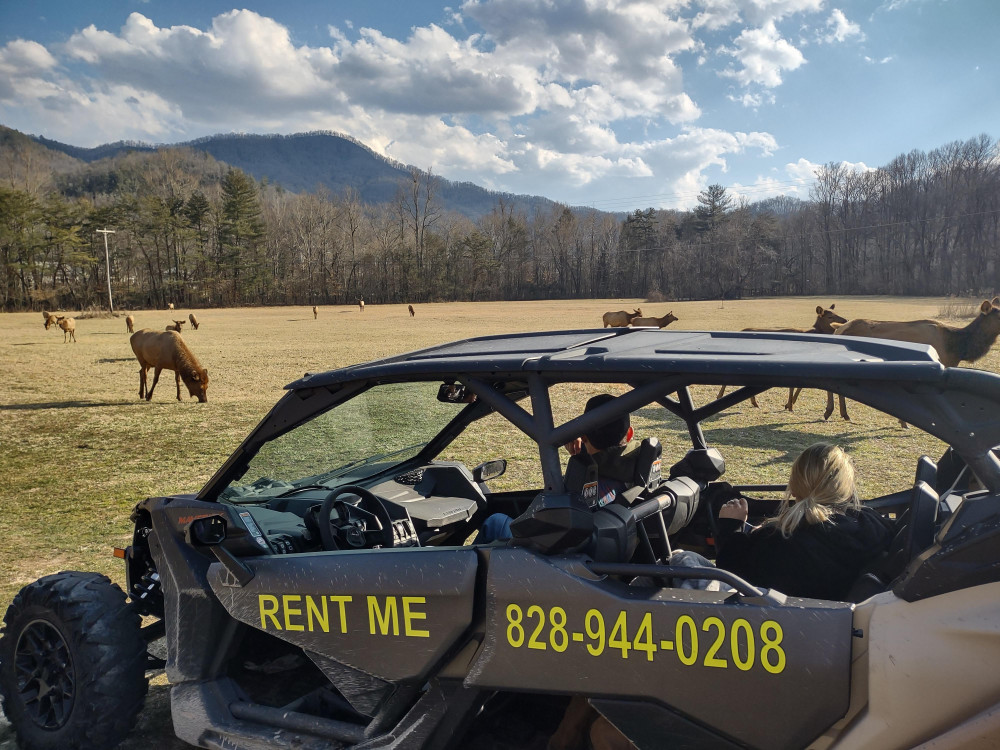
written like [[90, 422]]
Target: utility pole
[[107, 261]]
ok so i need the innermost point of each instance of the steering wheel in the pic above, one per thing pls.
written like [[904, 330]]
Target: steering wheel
[[362, 526]]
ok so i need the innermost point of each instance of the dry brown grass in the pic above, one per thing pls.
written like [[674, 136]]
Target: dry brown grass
[[78, 448]]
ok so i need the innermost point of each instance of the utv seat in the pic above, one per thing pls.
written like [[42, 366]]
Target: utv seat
[[915, 533]]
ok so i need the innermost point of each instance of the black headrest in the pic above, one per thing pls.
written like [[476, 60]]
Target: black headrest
[[926, 471], [703, 465], [647, 463], [923, 516]]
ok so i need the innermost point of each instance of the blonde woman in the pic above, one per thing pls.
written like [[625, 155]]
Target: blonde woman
[[821, 538]]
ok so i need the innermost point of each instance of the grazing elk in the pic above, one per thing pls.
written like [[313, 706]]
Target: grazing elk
[[410, 308], [620, 318], [130, 323], [658, 322], [69, 328], [194, 321], [953, 344], [826, 322], [51, 319], [167, 351], [178, 324]]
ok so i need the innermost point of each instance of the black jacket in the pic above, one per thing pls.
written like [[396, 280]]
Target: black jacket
[[819, 561]]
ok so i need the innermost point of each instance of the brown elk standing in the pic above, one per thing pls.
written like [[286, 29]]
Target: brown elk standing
[[167, 351], [953, 344], [315, 312], [620, 318], [658, 322], [170, 305], [361, 305], [69, 327], [130, 323], [826, 322], [410, 308]]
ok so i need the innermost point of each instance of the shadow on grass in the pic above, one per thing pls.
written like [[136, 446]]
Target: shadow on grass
[[790, 437], [777, 436], [64, 405], [110, 360]]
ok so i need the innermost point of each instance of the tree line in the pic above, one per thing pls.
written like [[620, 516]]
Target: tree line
[[195, 232]]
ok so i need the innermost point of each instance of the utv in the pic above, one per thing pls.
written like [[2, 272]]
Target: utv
[[323, 590]]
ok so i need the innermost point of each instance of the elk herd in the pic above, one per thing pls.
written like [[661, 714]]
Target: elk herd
[[623, 319], [953, 344]]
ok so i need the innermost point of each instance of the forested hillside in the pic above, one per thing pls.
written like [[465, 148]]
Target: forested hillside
[[193, 230], [312, 161]]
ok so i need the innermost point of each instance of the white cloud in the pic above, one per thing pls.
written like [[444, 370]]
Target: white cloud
[[538, 97], [803, 170], [879, 61], [839, 29], [763, 55], [717, 14]]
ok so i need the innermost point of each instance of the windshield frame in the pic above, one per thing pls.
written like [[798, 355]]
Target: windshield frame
[[298, 407]]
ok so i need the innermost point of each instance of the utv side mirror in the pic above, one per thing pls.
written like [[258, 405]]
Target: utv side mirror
[[489, 470], [211, 532], [206, 532]]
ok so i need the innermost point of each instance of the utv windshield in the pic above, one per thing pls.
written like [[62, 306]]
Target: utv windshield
[[381, 427]]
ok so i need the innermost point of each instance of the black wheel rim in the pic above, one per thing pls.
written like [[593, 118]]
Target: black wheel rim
[[46, 682]]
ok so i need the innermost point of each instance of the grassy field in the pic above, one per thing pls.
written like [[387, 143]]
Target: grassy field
[[78, 448]]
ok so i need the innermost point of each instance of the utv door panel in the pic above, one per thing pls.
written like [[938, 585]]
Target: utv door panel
[[713, 657], [390, 613]]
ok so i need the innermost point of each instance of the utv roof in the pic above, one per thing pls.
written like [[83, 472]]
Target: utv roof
[[711, 356], [961, 406]]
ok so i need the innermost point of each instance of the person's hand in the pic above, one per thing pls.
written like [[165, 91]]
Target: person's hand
[[736, 508], [574, 446]]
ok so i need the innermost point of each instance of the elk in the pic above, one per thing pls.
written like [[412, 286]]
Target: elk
[[167, 351], [826, 322], [130, 323], [69, 328], [953, 344], [410, 308], [315, 312], [620, 318], [658, 322], [361, 305], [51, 319], [194, 321], [178, 324]]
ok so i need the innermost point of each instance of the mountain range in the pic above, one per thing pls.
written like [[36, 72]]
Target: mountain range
[[306, 161]]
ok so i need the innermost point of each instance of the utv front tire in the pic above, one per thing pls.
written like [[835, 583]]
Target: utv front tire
[[72, 663]]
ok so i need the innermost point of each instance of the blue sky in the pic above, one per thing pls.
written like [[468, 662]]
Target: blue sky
[[618, 104]]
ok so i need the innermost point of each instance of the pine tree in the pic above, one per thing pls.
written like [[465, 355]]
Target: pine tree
[[241, 231]]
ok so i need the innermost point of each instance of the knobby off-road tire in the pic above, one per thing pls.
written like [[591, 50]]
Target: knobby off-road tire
[[72, 663]]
